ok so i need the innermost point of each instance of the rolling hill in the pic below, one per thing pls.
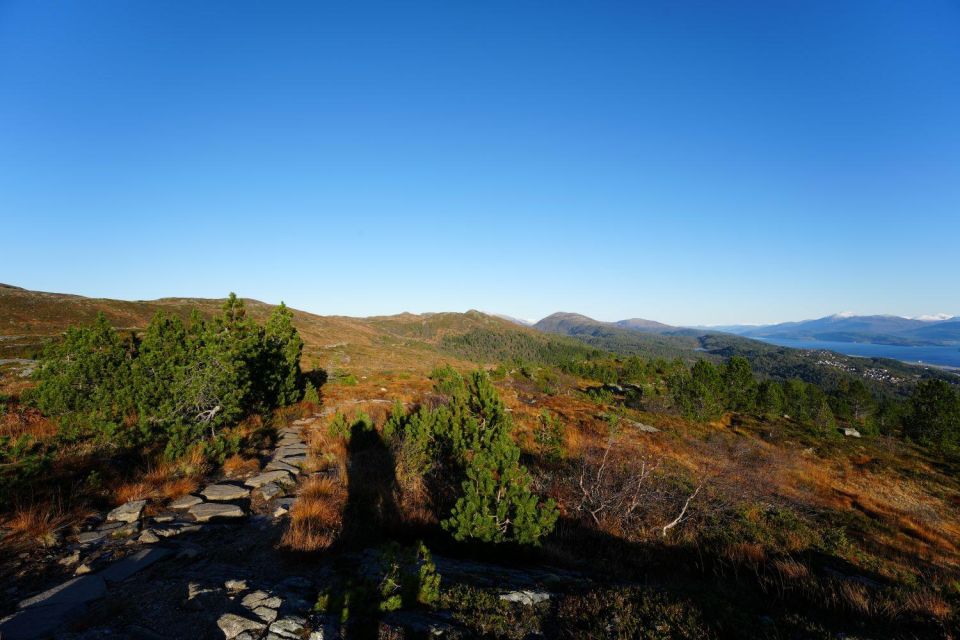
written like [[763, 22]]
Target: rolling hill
[[406, 341]]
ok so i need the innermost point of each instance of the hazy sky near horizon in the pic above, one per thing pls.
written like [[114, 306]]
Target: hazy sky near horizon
[[689, 162]]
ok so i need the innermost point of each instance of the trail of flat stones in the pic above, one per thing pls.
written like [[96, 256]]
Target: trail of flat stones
[[214, 569]]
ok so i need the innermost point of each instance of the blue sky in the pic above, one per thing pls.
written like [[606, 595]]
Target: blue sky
[[690, 162]]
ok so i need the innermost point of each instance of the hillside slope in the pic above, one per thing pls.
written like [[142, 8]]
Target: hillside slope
[[405, 341]]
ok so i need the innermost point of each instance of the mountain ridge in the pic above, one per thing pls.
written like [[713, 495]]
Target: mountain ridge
[[876, 329]]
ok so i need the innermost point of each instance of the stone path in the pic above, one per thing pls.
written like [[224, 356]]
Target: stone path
[[210, 567], [112, 552]]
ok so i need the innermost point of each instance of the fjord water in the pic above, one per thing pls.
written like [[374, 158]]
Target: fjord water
[[937, 356]]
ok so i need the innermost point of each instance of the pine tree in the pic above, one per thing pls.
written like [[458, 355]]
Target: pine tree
[[283, 349], [159, 370], [739, 385], [934, 414], [770, 399], [698, 393], [496, 503], [85, 378]]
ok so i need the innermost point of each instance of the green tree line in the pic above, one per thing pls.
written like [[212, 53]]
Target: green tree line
[[929, 416], [177, 385]]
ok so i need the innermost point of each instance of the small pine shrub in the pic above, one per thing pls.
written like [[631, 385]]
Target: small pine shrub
[[549, 438], [339, 427], [392, 579], [310, 394]]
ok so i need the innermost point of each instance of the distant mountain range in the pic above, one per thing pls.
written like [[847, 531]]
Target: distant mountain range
[[845, 327], [939, 330]]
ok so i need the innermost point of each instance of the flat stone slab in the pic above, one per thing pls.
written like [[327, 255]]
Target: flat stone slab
[[37, 622], [289, 627], [213, 511], [135, 563], [129, 512], [88, 537], [224, 492], [44, 613], [296, 460], [292, 448], [261, 599], [175, 529], [72, 592], [233, 625], [277, 465], [185, 502], [278, 477]]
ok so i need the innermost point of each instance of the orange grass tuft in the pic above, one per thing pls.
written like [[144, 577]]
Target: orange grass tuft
[[317, 517], [38, 523], [237, 465]]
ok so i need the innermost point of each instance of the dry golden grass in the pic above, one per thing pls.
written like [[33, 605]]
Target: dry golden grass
[[237, 465], [159, 473], [162, 481], [37, 524], [790, 570], [172, 489], [317, 517], [927, 603], [319, 488], [746, 553], [326, 451], [19, 421], [132, 491], [854, 597]]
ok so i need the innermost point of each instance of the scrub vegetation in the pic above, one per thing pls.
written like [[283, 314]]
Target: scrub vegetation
[[669, 497]]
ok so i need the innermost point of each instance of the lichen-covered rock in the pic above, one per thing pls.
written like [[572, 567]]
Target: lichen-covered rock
[[129, 512], [233, 625]]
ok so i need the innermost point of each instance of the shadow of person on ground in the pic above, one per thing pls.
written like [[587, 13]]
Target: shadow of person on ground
[[371, 514]]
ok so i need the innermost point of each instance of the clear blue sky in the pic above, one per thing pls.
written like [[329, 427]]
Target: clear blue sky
[[690, 162]]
